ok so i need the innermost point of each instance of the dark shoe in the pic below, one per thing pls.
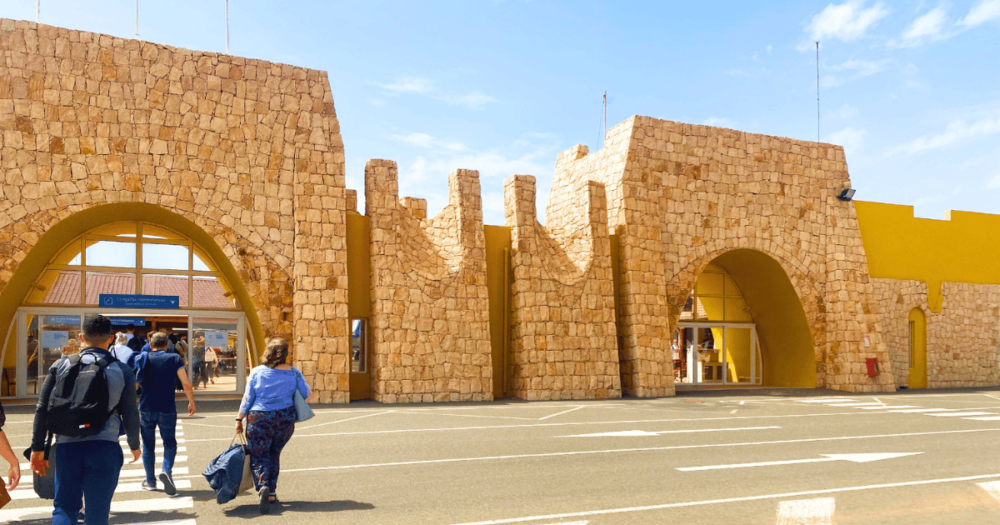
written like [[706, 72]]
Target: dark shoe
[[148, 486], [168, 484], [265, 502], [273, 499]]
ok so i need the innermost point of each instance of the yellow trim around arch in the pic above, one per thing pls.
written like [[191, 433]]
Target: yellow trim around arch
[[63, 232]]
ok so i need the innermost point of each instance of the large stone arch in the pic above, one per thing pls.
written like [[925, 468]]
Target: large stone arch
[[258, 282], [778, 293]]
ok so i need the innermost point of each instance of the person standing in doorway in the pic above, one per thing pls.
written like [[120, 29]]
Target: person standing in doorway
[[211, 365], [133, 342], [269, 408], [156, 372], [120, 350], [88, 466]]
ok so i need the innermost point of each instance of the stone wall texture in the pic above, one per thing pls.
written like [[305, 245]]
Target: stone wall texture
[[563, 343], [963, 339], [430, 314], [248, 150]]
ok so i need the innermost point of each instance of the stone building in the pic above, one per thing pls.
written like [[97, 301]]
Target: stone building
[[204, 195]]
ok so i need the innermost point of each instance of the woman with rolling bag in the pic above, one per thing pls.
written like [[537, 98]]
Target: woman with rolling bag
[[273, 401]]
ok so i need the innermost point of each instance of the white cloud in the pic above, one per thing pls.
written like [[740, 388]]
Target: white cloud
[[424, 140], [845, 112], [852, 70], [847, 21], [981, 13], [956, 131], [927, 26], [425, 87], [720, 122], [850, 138], [994, 183]]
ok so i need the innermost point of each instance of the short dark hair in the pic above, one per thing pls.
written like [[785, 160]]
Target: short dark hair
[[96, 328], [158, 340], [130, 327]]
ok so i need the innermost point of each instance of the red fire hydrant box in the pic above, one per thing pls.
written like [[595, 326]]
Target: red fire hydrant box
[[872, 363]]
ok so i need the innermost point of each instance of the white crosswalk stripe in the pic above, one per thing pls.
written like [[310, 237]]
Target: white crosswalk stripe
[[29, 493], [971, 415], [818, 511], [117, 507]]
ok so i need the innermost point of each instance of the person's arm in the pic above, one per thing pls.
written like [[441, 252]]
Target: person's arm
[[14, 466], [188, 391], [302, 385], [128, 409], [39, 429]]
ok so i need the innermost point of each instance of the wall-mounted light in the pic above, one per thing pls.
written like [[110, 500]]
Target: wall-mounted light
[[847, 195]]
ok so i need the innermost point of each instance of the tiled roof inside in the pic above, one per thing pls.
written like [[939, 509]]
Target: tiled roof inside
[[208, 293]]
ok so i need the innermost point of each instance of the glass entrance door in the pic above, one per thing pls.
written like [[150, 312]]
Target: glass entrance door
[[214, 345], [716, 353]]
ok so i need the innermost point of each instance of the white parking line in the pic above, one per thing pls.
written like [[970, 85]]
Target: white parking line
[[561, 413], [623, 510], [961, 414], [887, 407], [817, 511], [992, 418]]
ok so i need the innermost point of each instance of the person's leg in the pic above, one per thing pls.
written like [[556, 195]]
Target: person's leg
[[69, 480], [259, 443], [168, 434], [102, 466], [147, 430], [284, 428]]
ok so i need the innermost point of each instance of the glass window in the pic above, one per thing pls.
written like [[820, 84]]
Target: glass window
[[125, 230], [111, 254], [209, 292], [202, 262], [56, 287], [212, 359], [165, 256], [111, 283], [71, 255], [359, 346], [50, 338], [153, 231], [167, 285]]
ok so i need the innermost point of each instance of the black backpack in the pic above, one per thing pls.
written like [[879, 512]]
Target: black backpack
[[78, 404]]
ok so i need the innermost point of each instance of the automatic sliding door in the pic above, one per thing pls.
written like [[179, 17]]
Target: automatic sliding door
[[215, 363]]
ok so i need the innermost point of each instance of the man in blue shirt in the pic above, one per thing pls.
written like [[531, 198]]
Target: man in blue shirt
[[156, 372]]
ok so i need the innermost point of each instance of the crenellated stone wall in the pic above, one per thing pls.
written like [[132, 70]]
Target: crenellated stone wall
[[249, 151], [963, 339], [430, 314], [562, 299]]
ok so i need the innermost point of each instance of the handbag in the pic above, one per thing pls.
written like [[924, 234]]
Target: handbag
[[302, 410], [246, 483], [45, 486]]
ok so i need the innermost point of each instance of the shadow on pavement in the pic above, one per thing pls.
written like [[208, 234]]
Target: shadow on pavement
[[253, 511]]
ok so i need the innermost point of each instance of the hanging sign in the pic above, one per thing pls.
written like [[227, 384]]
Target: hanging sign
[[125, 321], [54, 339], [72, 320], [113, 300], [216, 339]]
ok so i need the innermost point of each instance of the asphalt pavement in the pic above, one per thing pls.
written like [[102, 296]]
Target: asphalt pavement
[[731, 457]]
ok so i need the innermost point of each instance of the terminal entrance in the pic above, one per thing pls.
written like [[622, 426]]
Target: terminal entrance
[[180, 292]]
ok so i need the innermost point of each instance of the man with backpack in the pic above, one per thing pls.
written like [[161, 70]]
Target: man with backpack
[[84, 401], [156, 372]]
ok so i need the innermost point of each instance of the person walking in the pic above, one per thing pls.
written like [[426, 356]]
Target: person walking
[[157, 370], [211, 365], [269, 408], [7, 453], [89, 461]]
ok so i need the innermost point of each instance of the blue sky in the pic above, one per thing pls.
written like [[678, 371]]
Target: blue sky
[[910, 88]]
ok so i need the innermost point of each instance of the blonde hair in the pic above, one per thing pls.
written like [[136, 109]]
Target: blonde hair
[[120, 338]]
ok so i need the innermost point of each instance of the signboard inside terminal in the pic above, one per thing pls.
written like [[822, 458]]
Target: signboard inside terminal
[[166, 302]]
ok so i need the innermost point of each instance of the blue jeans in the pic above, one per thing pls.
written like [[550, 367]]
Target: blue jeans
[[167, 421], [88, 469]]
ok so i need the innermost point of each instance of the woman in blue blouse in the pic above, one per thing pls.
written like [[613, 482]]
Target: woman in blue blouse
[[269, 407]]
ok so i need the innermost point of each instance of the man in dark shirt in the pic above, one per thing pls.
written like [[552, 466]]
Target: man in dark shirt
[[156, 372]]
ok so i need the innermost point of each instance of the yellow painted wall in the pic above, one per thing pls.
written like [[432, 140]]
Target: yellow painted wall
[[786, 343], [497, 265], [53, 241], [957, 249]]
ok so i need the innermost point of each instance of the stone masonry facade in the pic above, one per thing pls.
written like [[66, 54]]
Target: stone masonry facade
[[249, 151], [963, 339]]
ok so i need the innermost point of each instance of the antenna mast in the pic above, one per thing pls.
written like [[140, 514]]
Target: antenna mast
[[137, 19], [227, 27], [817, 91]]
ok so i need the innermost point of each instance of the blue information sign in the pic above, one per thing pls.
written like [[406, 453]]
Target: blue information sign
[[62, 320], [113, 300], [125, 321]]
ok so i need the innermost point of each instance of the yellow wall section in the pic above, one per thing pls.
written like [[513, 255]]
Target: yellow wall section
[[498, 288], [785, 340], [918, 366], [958, 249], [58, 236], [359, 292]]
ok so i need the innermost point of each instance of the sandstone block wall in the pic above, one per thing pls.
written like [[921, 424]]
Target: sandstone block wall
[[563, 342], [430, 312], [963, 339], [248, 150], [681, 195]]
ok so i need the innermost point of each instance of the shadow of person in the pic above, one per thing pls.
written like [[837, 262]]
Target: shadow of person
[[198, 495], [251, 511], [122, 518]]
